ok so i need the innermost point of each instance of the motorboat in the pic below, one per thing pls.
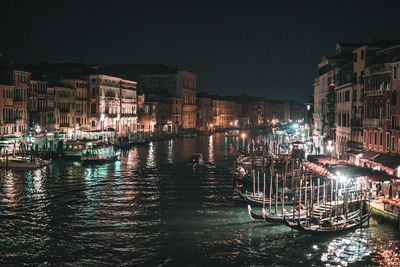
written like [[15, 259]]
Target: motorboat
[[98, 153], [73, 149]]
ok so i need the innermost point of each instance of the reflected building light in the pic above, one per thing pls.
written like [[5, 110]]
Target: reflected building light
[[132, 159], [170, 151], [117, 168], [9, 188], [211, 149], [38, 183], [151, 157]]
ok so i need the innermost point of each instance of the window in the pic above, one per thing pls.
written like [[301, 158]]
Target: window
[[355, 57], [394, 97], [394, 72], [387, 141], [392, 143], [380, 139], [393, 122], [375, 137], [362, 54], [347, 96], [370, 138], [93, 108]]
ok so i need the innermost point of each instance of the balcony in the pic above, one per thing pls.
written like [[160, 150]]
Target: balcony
[[111, 115], [372, 122], [64, 110], [64, 125]]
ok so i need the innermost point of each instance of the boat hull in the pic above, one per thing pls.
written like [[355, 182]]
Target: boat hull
[[337, 229], [99, 161]]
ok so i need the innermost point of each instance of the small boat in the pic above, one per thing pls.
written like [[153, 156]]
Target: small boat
[[98, 153], [233, 133], [295, 222], [253, 215], [22, 164], [279, 217], [257, 200], [197, 158], [204, 133], [188, 135], [336, 225]]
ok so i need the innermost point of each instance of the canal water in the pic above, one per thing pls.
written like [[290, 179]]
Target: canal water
[[153, 208]]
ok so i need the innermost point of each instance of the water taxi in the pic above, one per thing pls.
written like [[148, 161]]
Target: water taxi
[[73, 149], [98, 153]]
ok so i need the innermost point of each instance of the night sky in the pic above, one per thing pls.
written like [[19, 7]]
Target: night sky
[[259, 48]]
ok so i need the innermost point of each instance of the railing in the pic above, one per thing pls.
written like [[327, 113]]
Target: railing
[[374, 92], [64, 124]]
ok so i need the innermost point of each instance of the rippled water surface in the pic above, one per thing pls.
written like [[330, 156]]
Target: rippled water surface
[[153, 208]]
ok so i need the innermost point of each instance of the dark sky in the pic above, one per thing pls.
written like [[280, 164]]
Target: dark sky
[[260, 48]]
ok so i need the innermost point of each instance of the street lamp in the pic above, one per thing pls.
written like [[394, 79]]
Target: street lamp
[[243, 137]]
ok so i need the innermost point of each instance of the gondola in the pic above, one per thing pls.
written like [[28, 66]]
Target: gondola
[[253, 215], [341, 226], [279, 217], [295, 222], [257, 201]]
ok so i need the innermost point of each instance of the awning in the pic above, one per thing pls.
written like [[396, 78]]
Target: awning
[[388, 161], [369, 155], [318, 158], [353, 152], [349, 170], [380, 176]]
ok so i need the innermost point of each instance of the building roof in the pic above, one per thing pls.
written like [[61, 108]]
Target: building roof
[[132, 68]]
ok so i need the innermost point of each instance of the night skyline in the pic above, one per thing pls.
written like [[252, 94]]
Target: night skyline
[[255, 48]]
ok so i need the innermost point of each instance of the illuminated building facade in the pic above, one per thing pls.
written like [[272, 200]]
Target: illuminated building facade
[[13, 101]]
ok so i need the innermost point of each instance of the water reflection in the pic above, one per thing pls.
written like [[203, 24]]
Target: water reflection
[[151, 163], [153, 208], [170, 151], [211, 149], [347, 249]]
